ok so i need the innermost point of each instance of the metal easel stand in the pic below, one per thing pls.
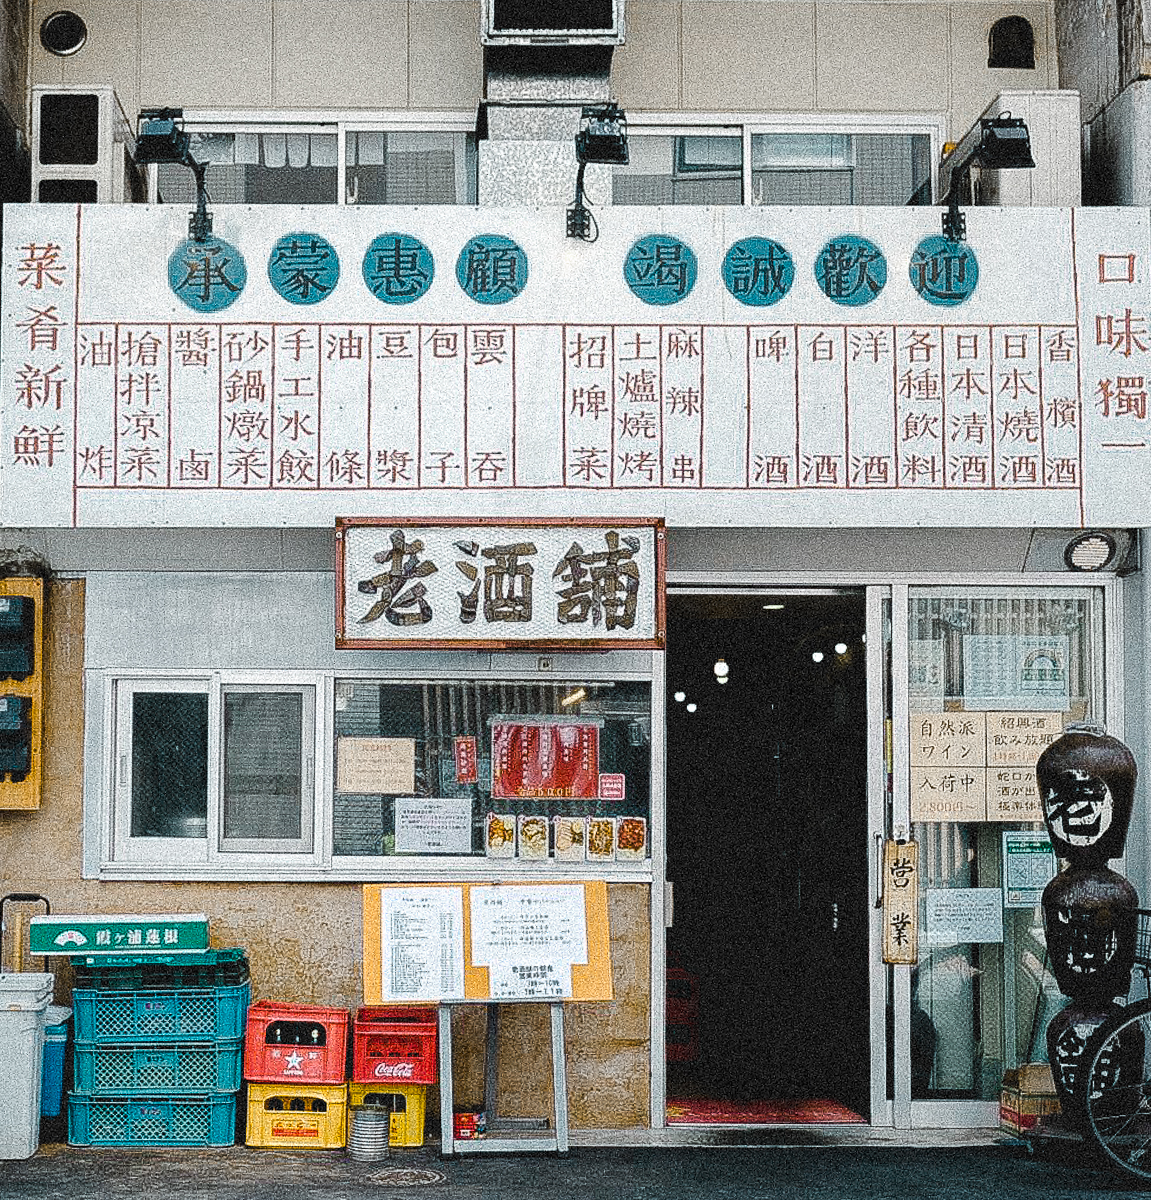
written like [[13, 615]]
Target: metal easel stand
[[505, 1134]]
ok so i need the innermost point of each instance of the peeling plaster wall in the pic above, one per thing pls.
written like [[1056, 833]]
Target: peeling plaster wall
[[304, 939]]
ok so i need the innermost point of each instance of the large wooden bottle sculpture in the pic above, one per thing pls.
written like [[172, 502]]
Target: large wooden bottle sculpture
[[1087, 786]]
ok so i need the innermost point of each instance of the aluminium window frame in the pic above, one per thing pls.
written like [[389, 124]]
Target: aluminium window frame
[[196, 858], [337, 122], [746, 124], [164, 859]]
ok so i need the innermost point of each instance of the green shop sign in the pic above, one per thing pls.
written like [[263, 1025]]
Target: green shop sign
[[148, 933]]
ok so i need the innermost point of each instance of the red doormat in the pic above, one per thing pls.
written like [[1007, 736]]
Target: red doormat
[[760, 1112]]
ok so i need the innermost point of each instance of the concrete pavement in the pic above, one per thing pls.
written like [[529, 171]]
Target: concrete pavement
[[832, 1172]]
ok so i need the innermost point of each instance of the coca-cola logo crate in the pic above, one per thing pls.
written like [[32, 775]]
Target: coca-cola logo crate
[[393, 1043]]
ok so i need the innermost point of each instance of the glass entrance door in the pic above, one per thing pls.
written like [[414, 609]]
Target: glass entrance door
[[986, 678]]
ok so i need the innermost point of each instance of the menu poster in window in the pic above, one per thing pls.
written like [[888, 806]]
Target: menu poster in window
[[545, 760], [376, 765], [959, 916], [1021, 671], [433, 825], [466, 760], [421, 944], [948, 794], [948, 739]]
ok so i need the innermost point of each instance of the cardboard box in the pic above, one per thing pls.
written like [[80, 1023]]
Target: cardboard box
[[1028, 1095]]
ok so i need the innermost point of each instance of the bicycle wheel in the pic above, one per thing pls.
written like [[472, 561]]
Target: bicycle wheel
[[1116, 1090]]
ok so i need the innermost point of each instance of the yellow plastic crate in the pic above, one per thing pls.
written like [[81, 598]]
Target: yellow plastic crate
[[406, 1127], [297, 1116]]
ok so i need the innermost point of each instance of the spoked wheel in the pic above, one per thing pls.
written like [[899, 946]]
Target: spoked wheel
[[1117, 1090]]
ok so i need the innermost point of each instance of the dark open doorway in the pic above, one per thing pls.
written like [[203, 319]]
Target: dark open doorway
[[767, 852]]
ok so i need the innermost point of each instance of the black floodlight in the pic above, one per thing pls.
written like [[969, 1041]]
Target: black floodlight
[[1004, 144], [602, 138], [162, 138]]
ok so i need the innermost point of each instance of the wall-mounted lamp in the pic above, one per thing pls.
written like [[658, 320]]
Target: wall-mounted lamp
[[1004, 144], [162, 138], [602, 138]]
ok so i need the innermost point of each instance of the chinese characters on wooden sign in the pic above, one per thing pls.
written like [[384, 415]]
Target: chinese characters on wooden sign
[[978, 766], [538, 583], [901, 902]]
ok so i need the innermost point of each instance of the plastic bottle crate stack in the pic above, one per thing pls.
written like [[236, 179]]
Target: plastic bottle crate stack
[[393, 1061], [157, 1049], [296, 1067]]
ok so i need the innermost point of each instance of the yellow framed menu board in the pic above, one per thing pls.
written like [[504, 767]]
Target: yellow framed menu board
[[505, 942]]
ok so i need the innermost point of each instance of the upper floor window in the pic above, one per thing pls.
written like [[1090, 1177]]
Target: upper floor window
[[841, 168], [326, 164], [1011, 43], [737, 167]]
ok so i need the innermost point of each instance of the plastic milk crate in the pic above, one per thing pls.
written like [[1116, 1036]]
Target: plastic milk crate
[[394, 1045], [161, 1015], [407, 1102], [152, 1120], [296, 1043], [297, 1116], [132, 972], [157, 1068]]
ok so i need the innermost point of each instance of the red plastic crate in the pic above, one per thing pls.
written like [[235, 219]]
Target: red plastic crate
[[295, 1043], [394, 1043]]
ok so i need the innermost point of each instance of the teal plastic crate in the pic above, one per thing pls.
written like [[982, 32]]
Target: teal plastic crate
[[151, 1120], [192, 969], [157, 1067], [168, 1015]]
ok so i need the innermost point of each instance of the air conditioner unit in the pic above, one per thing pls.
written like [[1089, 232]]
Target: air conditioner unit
[[82, 147], [552, 23]]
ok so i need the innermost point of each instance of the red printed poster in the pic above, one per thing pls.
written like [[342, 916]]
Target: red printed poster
[[545, 760], [466, 760], [611, 787]]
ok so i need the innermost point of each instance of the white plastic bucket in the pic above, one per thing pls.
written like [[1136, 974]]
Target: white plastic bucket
[[24, 997]]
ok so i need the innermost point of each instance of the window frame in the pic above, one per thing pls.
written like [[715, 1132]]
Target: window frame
[[200, 857], [745, 125], [109, 856], [319, 121]]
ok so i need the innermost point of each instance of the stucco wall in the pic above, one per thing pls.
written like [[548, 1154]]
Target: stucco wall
[[304, 940], [783, 56]]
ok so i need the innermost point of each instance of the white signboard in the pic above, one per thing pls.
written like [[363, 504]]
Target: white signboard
[[538, 582], [430, 825], [529, 937], [957, 916], [757, 363], [422, 943]]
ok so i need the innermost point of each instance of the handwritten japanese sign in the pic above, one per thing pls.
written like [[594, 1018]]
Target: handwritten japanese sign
[[806, 377], [978, 766], [900, 902], [541, 583]]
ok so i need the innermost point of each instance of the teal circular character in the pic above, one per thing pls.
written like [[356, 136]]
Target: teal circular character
[[851, 270], [208, 275], [942, 271], [492, 269], [660, 269], [303, 268], [398, 268], [758, 271]]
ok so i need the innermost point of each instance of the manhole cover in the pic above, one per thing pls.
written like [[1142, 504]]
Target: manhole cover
[[407, 1177]]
